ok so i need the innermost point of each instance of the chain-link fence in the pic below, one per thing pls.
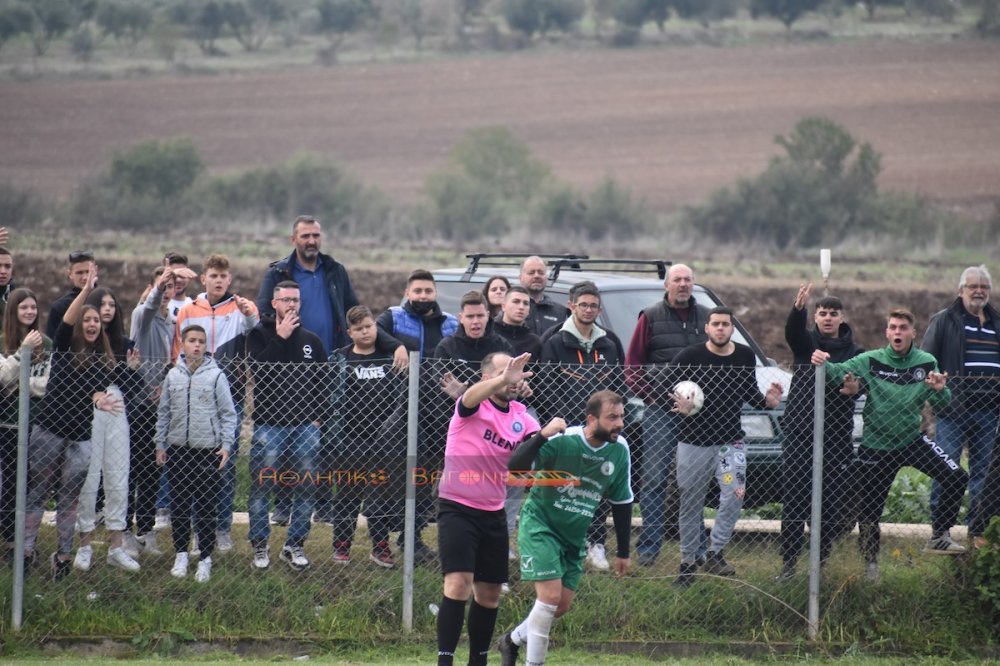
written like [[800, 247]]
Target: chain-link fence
[[129, 494]]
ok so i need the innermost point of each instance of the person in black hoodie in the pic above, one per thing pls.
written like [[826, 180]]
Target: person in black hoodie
[[579, 359], [291, 403], [80, 263], [832, 335], [511, 323]]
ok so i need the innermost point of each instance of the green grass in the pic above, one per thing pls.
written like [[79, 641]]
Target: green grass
[[921, 606]]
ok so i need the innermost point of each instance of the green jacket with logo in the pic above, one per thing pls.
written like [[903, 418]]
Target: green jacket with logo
[[896, 393]]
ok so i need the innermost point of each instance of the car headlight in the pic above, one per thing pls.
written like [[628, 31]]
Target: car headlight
[[757, 426]]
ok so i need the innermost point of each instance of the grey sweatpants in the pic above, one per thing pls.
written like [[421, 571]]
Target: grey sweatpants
[[54, 462], [695, 467]]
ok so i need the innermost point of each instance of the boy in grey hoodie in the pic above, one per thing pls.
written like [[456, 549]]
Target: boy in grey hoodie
[[196, 422]]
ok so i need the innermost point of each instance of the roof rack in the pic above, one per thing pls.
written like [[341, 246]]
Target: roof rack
[[511, 259], [610, 266]]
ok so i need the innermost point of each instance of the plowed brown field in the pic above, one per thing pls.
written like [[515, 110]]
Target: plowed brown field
[[673, 123]]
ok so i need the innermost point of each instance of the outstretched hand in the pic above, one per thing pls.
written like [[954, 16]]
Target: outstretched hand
[[515, 372], [803, 296]]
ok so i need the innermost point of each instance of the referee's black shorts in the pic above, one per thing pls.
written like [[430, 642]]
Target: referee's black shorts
[[473, 540]]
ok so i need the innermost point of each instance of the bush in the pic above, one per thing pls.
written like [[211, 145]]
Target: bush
[[305, 183], [986, 570], [490, 180], [161, 169], [20, 207], [822, 190], [612, 210]]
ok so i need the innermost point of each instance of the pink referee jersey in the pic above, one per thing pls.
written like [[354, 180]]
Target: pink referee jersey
[[476, 455]]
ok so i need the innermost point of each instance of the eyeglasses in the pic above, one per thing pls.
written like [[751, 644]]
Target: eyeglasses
[[80, 255], [977, 287], [589, 306], [289, 300]]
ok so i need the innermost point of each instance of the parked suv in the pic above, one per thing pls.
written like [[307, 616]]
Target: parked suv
[[627, 287]]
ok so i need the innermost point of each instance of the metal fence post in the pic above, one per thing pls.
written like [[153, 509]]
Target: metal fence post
[[413, 398], [23, 420], [816, 520]]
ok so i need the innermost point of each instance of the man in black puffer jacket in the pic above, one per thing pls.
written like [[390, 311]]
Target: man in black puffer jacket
[[834, 336]]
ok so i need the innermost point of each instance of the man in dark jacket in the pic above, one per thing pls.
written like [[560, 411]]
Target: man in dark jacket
[[832, 335], [291, 402], [326, 289], [663, 330], [964, 339], [327, 295], [545, 312], [512, 326], [6, 273], [578, 360], [419, 324], [80, 262]]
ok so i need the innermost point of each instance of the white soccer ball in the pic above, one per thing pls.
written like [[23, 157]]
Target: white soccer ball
[[692, 392]]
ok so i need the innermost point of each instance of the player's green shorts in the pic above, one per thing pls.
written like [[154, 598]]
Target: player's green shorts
[[546, 557]]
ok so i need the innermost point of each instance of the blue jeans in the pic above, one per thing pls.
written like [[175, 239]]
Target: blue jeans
[[975, 429], [659, 443], [298, 445], [227, 485]]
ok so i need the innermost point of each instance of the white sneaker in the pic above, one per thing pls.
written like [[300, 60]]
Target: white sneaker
[[294, 557], [180, 568], [597, 557], [148, 543], [505, 588], [130, 545], [261, 558], [511, 555], [204, 570], [84, 558], [943, 545], [117, 557], [223, 542], [162, 520], [872, 574]]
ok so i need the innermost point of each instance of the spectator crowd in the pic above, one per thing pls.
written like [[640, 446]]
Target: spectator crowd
[[139, 427]]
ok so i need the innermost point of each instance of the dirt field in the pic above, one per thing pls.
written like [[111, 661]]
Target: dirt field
[[671, 122]]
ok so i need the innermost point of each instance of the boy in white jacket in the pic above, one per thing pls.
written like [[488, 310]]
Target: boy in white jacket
[[196, 422]]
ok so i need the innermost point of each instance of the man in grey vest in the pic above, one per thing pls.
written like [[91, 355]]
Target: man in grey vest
[[663, 330]]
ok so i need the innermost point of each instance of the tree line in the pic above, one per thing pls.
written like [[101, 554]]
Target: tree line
[[253, 23]]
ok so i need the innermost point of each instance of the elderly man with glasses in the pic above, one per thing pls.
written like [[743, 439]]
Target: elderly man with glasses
[[963, 338]]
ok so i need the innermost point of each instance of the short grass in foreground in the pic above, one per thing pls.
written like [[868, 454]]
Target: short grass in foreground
[[408, 656], [920, 606]]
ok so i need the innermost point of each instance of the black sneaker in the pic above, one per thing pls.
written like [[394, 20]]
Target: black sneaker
[[508, 650], [686, 576], [787, 572], [422, 554], [60, 568], [716, 564]]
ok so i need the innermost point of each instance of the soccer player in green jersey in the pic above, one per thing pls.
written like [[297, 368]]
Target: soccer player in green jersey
[[555, 518]]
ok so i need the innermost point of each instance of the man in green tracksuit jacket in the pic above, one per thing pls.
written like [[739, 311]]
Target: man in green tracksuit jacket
[[899, 378]]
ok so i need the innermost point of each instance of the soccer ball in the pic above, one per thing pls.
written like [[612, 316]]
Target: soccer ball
[[694, 393]]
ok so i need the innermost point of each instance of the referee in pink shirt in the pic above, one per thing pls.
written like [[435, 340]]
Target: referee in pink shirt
[[486, 427]]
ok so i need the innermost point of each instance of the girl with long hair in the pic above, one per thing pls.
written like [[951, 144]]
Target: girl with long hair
[[109, 457], [19, 329], [494, 291], [59, 447]]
